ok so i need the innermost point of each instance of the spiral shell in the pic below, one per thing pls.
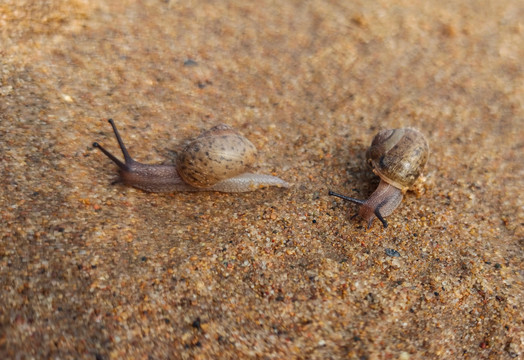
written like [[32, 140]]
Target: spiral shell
[[398, 156], [217, 154]]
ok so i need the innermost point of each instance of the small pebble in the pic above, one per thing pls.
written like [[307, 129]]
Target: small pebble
[[392, 252], [190, 62], [196, 323]]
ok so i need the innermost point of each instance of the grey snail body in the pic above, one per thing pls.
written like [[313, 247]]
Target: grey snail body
[[216, 160], [398, 157]]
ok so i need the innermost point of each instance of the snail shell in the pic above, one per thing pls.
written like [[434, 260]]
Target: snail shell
[[217, 154], [398, 156]]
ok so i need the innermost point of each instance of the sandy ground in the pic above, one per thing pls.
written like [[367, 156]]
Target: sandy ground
[[91, 270]]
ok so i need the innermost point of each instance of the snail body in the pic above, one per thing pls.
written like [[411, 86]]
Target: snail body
[[216, 160], [398, 157]]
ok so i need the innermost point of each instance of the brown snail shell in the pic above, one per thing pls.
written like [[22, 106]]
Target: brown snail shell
[[398, 156], [217, 154]]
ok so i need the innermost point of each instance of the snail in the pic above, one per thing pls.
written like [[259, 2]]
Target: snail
[[398, 157], [214, 161]]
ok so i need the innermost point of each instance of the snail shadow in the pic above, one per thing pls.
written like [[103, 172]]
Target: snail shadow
[[348, 173]]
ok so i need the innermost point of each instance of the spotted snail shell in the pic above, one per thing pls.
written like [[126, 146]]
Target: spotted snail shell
[[217, 154]]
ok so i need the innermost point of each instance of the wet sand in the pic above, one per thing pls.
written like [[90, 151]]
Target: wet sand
[[91, 270]]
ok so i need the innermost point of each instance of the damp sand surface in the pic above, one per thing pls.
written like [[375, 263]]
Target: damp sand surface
[[91, 270]]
